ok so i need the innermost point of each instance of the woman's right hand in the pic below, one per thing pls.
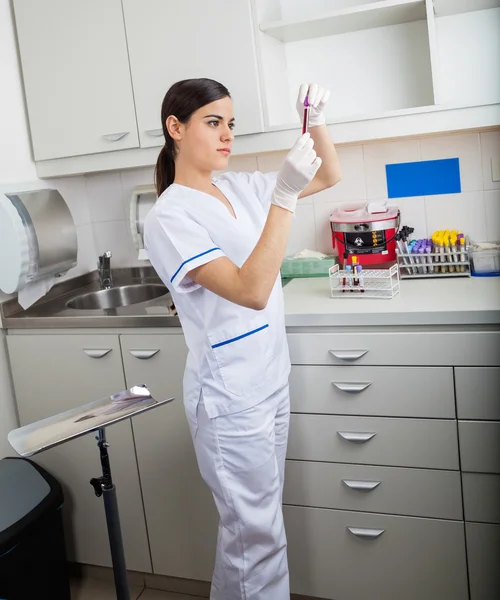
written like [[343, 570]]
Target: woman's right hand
[[298, 170]]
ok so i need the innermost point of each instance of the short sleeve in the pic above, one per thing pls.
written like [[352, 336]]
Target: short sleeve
[[261, 184], [176, 244]]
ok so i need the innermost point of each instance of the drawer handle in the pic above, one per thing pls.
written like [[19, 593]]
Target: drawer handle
[[361, 486], [351, 388], [144, 354], [357, 437], [114, 137], [154, 132], [348, 354], [366, 534], [97, 353]]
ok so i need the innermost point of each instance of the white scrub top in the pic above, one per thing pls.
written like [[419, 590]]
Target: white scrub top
[[237, 356]]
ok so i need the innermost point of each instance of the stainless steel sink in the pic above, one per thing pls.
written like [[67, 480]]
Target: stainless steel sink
[[116, 297]]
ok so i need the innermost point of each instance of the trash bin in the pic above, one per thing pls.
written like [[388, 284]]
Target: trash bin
[[32, 551]]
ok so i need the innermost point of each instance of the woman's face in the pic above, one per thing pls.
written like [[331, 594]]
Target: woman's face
[[206, 140]]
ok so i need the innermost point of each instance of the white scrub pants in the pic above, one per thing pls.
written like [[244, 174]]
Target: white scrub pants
[[242, 459]]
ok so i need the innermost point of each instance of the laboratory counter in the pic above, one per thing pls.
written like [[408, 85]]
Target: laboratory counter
[[427, 302]]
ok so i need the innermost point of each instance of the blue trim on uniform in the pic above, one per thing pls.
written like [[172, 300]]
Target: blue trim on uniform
[[189, 260], [240, 337]]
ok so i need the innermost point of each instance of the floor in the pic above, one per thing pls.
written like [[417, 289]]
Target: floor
[[90, 588], [96, 589]]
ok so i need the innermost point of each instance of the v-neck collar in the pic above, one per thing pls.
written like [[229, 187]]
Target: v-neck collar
[[215, 184]]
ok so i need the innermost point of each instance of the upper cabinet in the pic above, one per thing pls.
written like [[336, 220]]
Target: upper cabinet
[[382, 59], [96, 72], [374, 57], [467, 51], [170, 41], [76, 77]]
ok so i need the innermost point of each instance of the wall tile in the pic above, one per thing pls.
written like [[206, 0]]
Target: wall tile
[[412, 214], [130, 178], [492, 202], [104, 193], [101, 201], [490, 148], [270, 161], [352, 186], [74, 192], [302, 233], [463, 146], [377, 155], [322, 212], [465, 212], [115, 236]]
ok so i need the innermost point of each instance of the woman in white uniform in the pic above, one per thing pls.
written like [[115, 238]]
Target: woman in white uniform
[[218, 243]]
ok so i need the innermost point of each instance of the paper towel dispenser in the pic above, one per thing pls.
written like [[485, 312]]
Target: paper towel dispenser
[[142, 200], [37, 238]]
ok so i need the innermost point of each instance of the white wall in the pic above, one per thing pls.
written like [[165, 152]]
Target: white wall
[[476, 210], [16, 163]]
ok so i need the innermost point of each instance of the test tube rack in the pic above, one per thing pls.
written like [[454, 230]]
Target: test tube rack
[[435, 264], [372, 283]]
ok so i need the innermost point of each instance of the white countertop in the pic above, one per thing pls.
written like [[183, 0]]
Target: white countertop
[[447, 301]]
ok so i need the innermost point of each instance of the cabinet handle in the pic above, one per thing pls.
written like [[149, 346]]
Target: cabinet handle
[[366, 534], [97, 353], [348, 354], [351, 388], [154, 132], [361, 486], [144, 354], [114, 137], [357, 437]]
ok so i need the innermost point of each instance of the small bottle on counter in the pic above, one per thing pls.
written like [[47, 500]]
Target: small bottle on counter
[[348, 269], [355, 279], [359, 270], [344, 279]]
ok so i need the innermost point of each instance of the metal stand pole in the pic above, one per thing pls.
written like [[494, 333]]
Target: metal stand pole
[[103, 486]]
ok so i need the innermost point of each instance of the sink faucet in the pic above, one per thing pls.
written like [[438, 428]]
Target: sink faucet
[[104, 266]]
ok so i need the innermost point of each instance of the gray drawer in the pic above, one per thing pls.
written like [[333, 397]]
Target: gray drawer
[[481, 497], [479, 446], [483, 552], [381, 557], [413, 492], [380, 391], [478, 393], [424, 443], [426, 348]]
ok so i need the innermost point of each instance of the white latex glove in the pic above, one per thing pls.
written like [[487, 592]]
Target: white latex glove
[[317, 97], [298, 169]]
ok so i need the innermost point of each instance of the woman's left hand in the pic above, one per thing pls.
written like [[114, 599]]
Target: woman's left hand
[[317, 97]]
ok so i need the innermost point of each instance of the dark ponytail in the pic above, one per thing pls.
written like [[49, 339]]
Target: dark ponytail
[[165, 166], [182, 100]]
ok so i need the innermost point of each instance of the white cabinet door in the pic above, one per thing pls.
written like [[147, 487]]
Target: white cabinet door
[[180, 511], [347, 555], [76, 76], [53, 373], [170, 41]]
